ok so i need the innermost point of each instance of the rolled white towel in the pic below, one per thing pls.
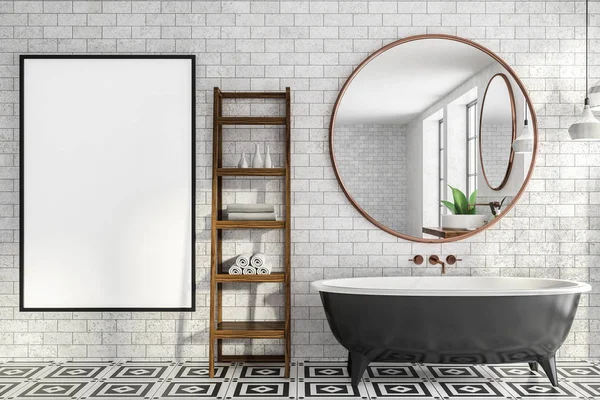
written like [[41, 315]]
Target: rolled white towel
[[235, 270], [258, 260], [264, 270], [249, 270], [243, 260]]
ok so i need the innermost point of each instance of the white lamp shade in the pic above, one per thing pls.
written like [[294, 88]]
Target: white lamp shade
[[594, 96], [586, 127], [524, 142]]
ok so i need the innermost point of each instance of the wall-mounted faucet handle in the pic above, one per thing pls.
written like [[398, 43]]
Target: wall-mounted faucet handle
[[418, 259], [435, 260], [451, 259]]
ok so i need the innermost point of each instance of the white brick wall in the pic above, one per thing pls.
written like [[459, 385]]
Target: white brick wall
[[371, 160], [312, 47], [496, 142]]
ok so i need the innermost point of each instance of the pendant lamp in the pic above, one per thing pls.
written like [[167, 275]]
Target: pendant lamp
[[586, 127], [524, 142]]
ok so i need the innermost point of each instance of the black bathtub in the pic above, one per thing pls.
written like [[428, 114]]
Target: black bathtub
[[453, 320]]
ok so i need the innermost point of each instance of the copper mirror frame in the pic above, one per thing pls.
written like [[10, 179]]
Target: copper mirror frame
[[513, 135], [399, 42]]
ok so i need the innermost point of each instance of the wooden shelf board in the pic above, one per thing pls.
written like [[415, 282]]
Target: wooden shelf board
[[251, 120], [251, 171], [251, 358], [253, 95], [251, 329], [274, 277], [250, 224], [444, 233]]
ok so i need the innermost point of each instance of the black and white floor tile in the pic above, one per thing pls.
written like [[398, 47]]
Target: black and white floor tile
[[455, 371], [327, 380], [262, 381], [52, 390], [577, 371], [406, 389], [541, 389], [467, 389], [394, 371], [198, 371], [507, 371], [78, 370], [88, 380]]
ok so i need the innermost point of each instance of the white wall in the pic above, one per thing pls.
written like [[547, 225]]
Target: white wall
[[371, 160]]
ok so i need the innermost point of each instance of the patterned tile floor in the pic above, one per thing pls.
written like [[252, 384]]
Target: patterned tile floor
[[310, 380]]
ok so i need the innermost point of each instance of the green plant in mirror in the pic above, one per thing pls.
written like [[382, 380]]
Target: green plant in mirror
[[461, 205]]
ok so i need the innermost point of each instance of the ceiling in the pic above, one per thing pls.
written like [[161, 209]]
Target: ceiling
[[402, 82], [496, 105]]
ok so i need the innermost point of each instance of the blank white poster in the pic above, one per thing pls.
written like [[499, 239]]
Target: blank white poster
[[107, 191]]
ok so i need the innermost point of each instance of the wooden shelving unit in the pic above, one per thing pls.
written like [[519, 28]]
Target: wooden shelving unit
[[219, 329]]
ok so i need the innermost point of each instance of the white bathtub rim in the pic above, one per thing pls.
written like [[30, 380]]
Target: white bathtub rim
[[567, 287]]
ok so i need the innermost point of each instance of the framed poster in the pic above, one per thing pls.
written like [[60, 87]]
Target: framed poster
[[107, 183]]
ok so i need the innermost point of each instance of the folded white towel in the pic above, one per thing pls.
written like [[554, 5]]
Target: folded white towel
[[264, 270], [253, 216], [250, 208], [235, 270], [243, 260], [249, 270], [258, 260]]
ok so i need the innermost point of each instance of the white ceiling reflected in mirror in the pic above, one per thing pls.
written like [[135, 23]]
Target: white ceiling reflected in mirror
[[411, 128]]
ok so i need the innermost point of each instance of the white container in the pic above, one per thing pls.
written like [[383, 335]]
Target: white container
[[468, 222], [243, 163], [257, 161], [268, 162]]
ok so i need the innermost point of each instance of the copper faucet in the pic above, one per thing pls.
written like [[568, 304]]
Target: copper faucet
[[450, 260], [433, 260], [495, 206]]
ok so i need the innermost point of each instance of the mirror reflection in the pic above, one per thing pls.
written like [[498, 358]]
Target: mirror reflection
[[406, 140], [497, 131]]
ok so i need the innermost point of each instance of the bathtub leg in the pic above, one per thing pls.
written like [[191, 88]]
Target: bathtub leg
[[358, 364], [349, 364], [549, 366], [533, 366]]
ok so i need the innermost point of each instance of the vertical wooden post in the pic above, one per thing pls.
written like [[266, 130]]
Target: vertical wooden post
[[213, 231], [288, 230], [219, 201]]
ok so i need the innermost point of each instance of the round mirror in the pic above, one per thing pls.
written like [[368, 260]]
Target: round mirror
[[406, 145], [497, 131]]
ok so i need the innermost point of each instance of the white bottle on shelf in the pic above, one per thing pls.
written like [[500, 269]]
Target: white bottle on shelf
[[268, 162], [257, 161], [243, 163]]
